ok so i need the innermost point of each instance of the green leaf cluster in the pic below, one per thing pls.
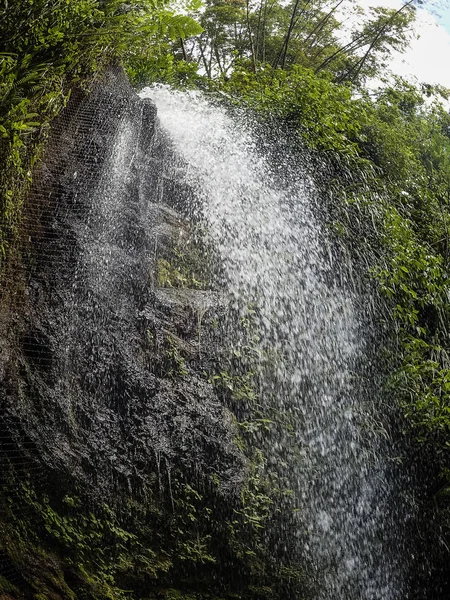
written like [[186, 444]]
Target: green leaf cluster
[[322, 113]]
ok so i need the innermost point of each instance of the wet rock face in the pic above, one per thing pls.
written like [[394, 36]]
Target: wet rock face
[[121, 465], [101, 371]]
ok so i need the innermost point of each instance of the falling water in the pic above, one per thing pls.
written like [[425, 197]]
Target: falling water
[[272, 253]]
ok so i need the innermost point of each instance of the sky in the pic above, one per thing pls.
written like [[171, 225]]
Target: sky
[[428, 58], [443, 13]]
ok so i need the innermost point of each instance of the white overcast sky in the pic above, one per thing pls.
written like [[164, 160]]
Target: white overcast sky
[[428, 58]]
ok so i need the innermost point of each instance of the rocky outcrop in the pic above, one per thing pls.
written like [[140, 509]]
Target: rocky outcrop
[[103, 395], [86, 348]]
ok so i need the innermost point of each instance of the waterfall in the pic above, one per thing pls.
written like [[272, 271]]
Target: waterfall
[[273, 254]]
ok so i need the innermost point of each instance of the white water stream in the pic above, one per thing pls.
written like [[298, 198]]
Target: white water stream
[[272, 252]]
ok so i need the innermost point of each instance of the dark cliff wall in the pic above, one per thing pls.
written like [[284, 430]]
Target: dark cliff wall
[[120, 467], [97, 399]]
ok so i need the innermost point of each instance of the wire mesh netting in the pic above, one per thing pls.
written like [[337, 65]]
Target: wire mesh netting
[[43, 423], [97, 415]]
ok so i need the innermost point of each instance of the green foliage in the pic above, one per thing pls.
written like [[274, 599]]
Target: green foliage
[[257, 495], [95, 545], [176, 274], [179, 268], [161, 55], [165, 68], [7, 587], [174, 361], [321, 112], [240, 388]]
